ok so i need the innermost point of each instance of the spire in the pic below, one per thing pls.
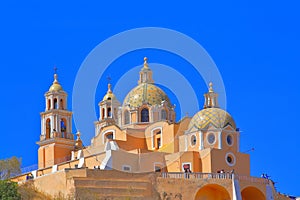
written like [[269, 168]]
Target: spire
[[211, 98], [145, 73]]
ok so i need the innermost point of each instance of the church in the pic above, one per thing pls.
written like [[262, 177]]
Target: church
[[140, 151]]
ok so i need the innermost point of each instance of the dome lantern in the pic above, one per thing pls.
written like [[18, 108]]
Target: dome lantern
[[145, 73], [211, 98]]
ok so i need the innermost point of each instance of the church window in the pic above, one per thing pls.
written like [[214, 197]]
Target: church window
[[48, 128], [63, 125], [62, 104], [211, 138], [103, 113], [163, 114], [126, 117], [108, 112], [229, 140], [110, 136], [55, 103], [230, 159], [193, 140], [145, 115], [126, 168], [49, 104]]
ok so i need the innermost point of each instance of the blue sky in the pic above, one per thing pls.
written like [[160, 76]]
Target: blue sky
[[255, 45]]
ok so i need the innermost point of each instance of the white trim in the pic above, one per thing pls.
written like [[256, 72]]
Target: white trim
[[233, 159], [161, 136], [111, 130], [201, 142], [220, 139]]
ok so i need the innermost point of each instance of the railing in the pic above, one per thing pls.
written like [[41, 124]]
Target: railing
[[253, 179], [182, 175]]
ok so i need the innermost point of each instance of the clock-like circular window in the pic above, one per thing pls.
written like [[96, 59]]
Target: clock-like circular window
[[211, 138], [193, 140], [230, 159], [229, 139]]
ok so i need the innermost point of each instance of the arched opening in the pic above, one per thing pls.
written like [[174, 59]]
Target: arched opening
[[55, 103], [126, 117], [145, 115], [108, 136], [63, 127], [250, 193], [102, 113], [212, 192], [163, 114], [62, 105], [156, 139], [109, 112], [49, 104], [48, 128]]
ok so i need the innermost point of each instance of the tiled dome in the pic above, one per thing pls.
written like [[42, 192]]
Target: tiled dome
[[214, 116], [145, 93]]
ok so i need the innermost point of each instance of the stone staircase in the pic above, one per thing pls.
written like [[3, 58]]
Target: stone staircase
[[114, 185]]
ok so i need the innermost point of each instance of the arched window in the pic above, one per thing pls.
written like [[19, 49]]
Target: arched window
[[55, 103], [163, 114], [126, 117], [48, 128], [63, 125], [102, 113], [108, 112], [145, 115]]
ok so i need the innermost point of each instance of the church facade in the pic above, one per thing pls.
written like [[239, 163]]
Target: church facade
[[195, 158]]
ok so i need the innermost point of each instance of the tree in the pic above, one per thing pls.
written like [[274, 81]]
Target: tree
[[9, 190], [10, 167]]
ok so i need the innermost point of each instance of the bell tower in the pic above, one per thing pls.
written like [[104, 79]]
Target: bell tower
[[56, 139]]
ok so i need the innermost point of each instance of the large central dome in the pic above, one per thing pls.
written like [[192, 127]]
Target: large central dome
[[145, 93]]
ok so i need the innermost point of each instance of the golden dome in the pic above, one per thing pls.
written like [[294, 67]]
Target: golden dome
[[109, 94], [55, 86], [145, 93], [215, 116]]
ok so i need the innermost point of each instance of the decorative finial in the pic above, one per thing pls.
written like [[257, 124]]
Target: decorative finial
[[55, 75], [109, 88], [145, 62], [211, 87]]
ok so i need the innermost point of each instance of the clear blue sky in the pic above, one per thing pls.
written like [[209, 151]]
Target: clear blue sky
[[255, 45]]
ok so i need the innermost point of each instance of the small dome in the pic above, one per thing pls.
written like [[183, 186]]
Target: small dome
[[145, 93], [109, 94], [55, 86], [215, 116]]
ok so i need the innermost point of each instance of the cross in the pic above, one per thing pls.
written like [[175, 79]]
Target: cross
[[55, 69], [108, 79]]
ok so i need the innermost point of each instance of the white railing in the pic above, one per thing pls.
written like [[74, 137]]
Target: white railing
[[182, 175]]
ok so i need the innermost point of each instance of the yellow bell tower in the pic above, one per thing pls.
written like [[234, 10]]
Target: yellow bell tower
[[56, 139]]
